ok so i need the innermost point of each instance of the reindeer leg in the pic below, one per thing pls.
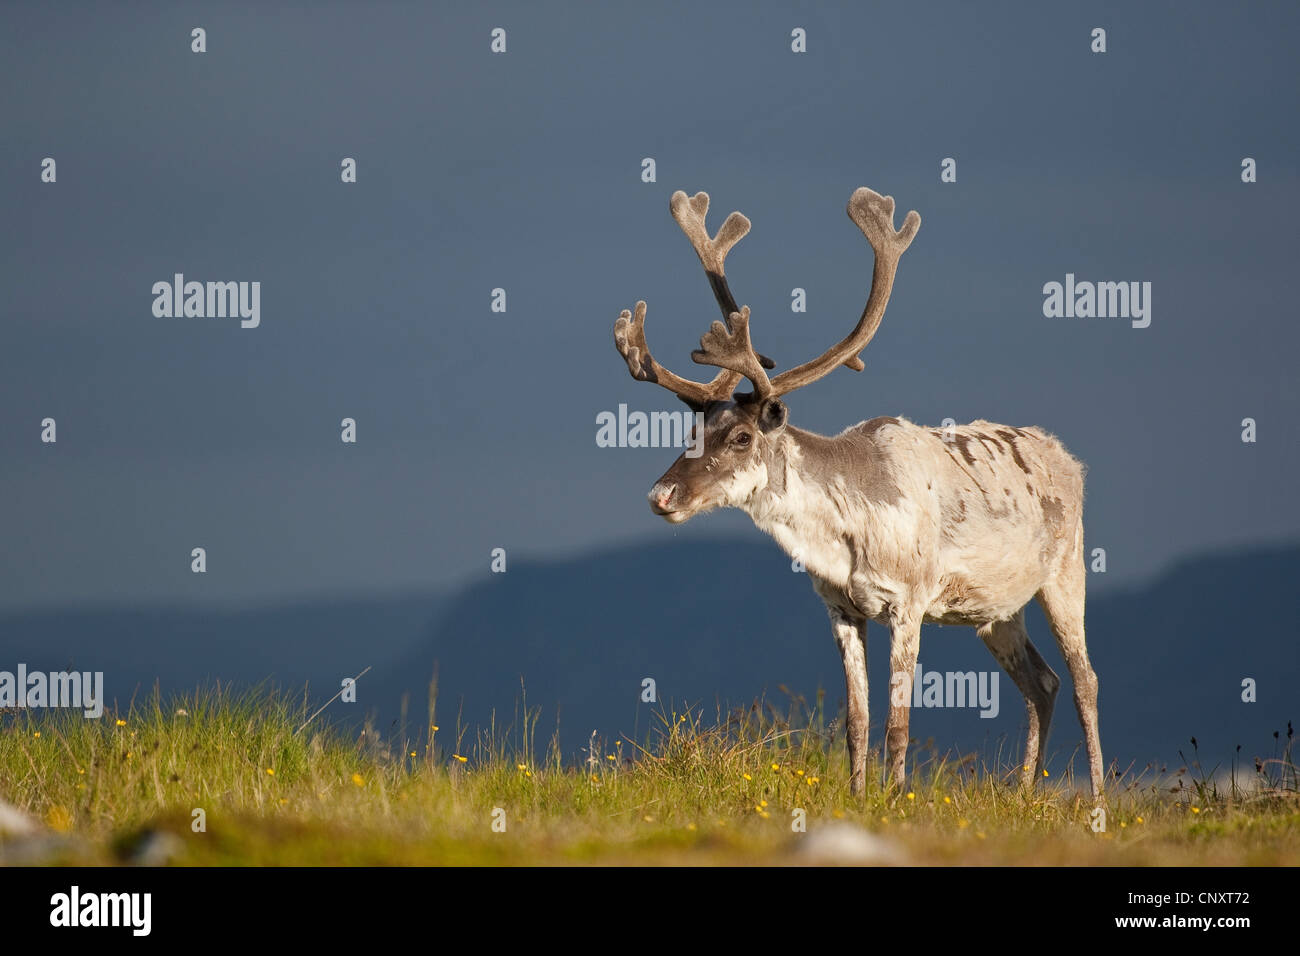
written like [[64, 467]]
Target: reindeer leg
[[851, 636], [904, 646], [1010, 645], [1062, 601]]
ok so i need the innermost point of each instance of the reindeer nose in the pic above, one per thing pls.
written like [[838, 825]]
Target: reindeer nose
[[660, 495]]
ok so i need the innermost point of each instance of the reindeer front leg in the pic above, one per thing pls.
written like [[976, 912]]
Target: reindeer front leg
[[904, 647], [851, 637]]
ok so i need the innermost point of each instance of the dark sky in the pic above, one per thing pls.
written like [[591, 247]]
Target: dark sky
[[522, 171]]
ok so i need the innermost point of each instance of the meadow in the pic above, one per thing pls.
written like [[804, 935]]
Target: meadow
[[253, 777]]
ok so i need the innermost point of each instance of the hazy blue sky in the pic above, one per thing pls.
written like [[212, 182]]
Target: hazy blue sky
[[522, 171]]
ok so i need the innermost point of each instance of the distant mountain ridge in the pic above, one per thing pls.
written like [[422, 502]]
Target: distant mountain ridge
[[582, 634], [1171, 656]]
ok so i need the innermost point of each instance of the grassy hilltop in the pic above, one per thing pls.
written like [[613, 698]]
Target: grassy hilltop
[[277, 788]]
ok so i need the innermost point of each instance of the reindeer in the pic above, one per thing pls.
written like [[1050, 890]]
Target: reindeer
[[894, 522]]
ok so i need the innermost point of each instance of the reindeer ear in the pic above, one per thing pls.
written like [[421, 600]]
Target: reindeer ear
[[772, 415]]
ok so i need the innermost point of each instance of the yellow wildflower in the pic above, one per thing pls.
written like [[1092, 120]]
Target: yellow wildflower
[[59, 819]]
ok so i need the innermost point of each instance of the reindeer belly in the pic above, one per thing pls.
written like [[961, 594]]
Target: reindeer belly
[[993, 581], [963, 601]]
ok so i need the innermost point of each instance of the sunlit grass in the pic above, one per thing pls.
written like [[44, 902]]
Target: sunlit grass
[[273, 791]]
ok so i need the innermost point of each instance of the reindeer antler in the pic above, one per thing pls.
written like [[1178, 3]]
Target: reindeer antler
[[727, 344], [874, 215], [732, 349], [629, 330], [629, 339], [689, 213]]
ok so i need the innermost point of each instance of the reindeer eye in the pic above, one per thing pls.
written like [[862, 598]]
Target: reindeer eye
[[742, 439]]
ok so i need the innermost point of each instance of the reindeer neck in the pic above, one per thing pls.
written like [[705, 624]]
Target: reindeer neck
[[800, 506]]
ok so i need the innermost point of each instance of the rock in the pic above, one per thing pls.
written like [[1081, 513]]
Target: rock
[[840, 843], [15, 823], [154, 848], [24, 842], [42, 849]]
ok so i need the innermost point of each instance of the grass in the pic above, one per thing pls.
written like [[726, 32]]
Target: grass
[[272, 791]]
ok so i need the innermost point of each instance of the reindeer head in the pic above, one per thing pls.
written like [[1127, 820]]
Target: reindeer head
[[737, 448], [742, 431]]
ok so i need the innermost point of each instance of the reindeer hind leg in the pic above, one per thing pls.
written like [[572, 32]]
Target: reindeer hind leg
[[1062, 599], [1010, 645]]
